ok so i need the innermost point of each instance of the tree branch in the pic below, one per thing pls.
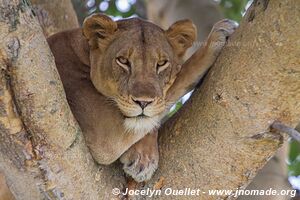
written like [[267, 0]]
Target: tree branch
[[293, 133], [42, 151], [55, 16], [221, 137]]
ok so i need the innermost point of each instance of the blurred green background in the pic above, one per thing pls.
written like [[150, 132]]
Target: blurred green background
[[231, 9]]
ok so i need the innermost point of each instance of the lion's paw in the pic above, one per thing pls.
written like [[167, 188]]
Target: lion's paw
[[220, 34], [140, 163]]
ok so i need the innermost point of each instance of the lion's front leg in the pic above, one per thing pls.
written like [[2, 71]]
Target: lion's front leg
[[141, 160], [198, 64]]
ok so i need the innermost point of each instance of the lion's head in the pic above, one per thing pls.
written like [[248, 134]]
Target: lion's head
[[134, 63]]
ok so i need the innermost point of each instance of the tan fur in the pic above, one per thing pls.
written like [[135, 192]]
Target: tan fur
[[106, 96], [5, 193]]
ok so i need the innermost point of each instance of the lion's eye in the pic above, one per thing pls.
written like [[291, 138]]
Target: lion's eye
[[162, 65], [123, 62]]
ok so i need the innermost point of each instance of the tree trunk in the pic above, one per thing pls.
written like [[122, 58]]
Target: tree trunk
[[218, 140], [272, 175], [221, 137], [42, 152], [55, 15]]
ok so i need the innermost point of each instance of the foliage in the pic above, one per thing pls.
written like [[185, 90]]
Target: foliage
[[233, 9], [175, 109], [112, 8], [109, 7], [294, 159]]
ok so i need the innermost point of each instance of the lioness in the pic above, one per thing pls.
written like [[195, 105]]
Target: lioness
[[121, 77]]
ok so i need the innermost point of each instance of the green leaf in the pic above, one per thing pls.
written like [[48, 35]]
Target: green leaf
[[177, 107], [294, 167], [233, 9], [294, 150]]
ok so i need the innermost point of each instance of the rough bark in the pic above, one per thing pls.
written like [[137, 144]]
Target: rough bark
[[55, 15], [272, 175], [217, 141], [42, 152]]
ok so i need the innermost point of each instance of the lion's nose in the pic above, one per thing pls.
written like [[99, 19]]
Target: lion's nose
[[142, 103]]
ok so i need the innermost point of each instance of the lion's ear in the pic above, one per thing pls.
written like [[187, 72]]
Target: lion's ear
[[181, 36], [98, 29]]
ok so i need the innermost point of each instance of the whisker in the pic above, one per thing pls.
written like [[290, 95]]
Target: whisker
[[111, 101]]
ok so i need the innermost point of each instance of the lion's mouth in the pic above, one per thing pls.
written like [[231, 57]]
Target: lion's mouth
[[140, 116], [141, 124]]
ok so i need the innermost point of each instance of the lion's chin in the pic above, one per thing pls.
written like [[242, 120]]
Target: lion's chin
[[141, 124]]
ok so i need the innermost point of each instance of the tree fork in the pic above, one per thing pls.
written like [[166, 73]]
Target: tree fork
[[218, 140]]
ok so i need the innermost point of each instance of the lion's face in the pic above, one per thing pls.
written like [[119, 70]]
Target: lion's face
[[134, 63]]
